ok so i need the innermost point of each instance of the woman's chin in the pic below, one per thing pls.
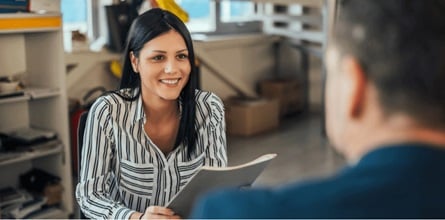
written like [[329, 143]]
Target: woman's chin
[[169, 96]]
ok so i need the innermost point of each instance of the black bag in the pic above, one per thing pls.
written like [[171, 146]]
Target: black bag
[[36, 180]]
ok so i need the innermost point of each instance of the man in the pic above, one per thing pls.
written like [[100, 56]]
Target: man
[[385, 101]]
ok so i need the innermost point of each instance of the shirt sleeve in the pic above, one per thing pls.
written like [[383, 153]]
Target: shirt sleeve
[[96, 189], [216, 152]]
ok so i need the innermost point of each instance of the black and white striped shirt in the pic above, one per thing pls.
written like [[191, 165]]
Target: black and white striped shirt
[[122, 170]]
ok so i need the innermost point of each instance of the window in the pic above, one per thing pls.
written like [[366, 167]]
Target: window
[[201, 14], [220, 17], [205, 16], [74, 19], [74, 15], [236, 11], [88, 17]]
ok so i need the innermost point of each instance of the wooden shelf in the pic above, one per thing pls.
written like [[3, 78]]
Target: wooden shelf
[[32, 94], [29, 22], [50, 213], [20, 98], [41, 93], [42, 150]]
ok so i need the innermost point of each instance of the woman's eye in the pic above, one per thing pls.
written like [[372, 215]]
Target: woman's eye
[[182, 56], [158, 58]]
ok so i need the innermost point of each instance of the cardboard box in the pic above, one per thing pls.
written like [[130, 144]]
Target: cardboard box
[[247, 117], [287, 91]]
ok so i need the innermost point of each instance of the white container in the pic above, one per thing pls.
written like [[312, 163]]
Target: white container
[[8, 86]]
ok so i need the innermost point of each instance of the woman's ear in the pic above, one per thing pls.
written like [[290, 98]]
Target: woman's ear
[[134, 62], [356, 91]]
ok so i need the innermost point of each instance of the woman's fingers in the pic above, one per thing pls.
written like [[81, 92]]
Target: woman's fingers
[[154, 216], [159, 210]]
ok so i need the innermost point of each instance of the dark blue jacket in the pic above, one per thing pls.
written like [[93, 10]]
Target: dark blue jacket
[[401, 181]]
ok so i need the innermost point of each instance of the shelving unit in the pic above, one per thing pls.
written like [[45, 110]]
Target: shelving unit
[[306, 26], [32, 44], [15, 157], [31, 94]]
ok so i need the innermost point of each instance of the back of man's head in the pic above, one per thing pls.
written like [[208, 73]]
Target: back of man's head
[[400, 45]]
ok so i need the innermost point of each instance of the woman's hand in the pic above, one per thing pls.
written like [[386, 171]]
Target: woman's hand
[[158, 212]]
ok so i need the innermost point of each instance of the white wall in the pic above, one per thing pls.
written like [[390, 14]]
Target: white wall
[[91, 70]]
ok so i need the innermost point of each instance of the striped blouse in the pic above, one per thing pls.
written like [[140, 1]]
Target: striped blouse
[[122, 170]]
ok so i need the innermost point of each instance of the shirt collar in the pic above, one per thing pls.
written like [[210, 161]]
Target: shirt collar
[[140, 114], [401, 153]]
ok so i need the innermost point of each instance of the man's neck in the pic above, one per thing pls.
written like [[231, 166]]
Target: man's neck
[[395, 131]]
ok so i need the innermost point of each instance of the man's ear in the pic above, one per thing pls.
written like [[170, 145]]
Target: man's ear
[[357, 83], [134, 62]]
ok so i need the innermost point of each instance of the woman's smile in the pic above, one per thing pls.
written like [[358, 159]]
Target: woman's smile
[[170, 82]]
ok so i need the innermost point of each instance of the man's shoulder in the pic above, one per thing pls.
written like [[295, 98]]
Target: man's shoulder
[[368, 189], [318, 198], [290, 201]]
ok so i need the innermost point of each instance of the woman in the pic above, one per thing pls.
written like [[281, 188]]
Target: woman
[[143, 142]]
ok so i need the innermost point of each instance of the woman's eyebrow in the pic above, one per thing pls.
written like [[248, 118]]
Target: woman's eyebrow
[[162, 51], [159, 51], [180, 51]]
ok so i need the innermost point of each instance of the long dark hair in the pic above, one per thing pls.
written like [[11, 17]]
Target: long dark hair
[[144, 28]]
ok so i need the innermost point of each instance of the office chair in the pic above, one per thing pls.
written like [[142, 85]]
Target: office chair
[[80, 131]]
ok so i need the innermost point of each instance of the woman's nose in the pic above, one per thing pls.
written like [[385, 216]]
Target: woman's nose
[[170, 67]]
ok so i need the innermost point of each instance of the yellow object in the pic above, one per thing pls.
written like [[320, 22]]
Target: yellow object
[[116, 68], [14, 23], [170, 5]]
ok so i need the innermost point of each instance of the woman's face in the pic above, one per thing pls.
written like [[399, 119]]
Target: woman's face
[[163, 66]]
